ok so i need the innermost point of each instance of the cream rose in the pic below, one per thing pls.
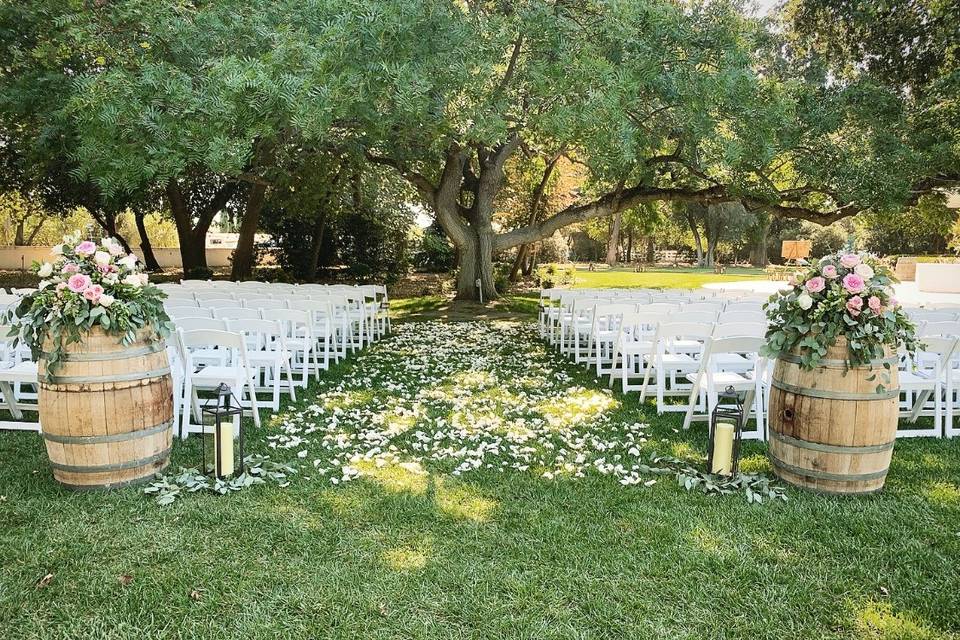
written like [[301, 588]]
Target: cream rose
[[101, 258], [45, 270], [804, 301], [863, 270], [132, 280], [106, 300]]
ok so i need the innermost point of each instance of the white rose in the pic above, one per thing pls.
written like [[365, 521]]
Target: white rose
[[101, 257], [864, 271], [129, 261], [111, 278], [44, 284], [144, 279], [45, 270], [57, 250], [106, 300], [805, 301], [132, 280]]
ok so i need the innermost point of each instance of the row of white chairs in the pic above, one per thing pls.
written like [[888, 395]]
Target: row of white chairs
[[694, 350]]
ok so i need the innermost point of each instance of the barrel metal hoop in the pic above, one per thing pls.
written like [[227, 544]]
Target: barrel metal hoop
[[830, 363], [117, 377], [830, 448], [118, 466], [834, 395], [110, 485], [154, 347], [113, 437], [826, 475]]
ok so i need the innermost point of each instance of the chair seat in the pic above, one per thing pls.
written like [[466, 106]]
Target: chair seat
[[913, 381], [637, 347], [22, 372], [267, 357], [214, 375], [724, 379]]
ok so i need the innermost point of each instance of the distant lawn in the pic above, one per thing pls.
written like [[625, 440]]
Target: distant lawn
[[665, 277]]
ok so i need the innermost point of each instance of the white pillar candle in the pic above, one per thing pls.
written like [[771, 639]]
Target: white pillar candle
[[224, 464], [723, 449]]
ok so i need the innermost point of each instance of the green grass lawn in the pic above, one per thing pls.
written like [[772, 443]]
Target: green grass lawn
[[462, 509], [665, 277]]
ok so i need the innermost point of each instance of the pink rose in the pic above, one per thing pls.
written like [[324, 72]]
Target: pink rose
[[70, 267], [816, 285], [86, 248], [850, 260], [853, 283], [830, 271], [893, 303], [78, 282], [93, 292], [875, 304], [854, 306]]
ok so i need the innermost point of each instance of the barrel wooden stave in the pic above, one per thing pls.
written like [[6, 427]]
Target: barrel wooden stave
[[117, 429], [833, 445]]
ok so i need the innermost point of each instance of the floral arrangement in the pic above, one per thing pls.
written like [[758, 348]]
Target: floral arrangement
[[86, 285], [845, 295]]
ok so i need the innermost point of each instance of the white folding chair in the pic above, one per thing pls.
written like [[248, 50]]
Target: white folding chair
[[235, 372], [674, 356], [16, 372], [926, 385], [602, 338], [323, 329], [177, 313], [236, 313], [268, 356], [635, 337], [297, 328], [716, 375]]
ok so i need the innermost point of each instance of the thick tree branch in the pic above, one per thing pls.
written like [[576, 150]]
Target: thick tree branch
[[427, 190]]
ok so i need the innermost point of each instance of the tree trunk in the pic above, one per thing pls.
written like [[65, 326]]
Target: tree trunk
[[476, 262], [316, 244], [758, 252], [630, 246], [149, 258], [697, 241], [18, 239], [243, 255], [518, 262], [524, 251], [651, 250], [613, 242], [108, 222]]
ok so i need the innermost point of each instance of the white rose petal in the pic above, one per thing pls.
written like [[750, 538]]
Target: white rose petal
[[101, 258], [863, 270], [804, 301], [129, 261], [46, 270], [106, 300]]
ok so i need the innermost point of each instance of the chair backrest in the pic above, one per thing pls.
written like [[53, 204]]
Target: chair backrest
[[213, 303], [215, 295], [949, 329], [258, 334], [674, 330], [226, 341], [740, 329], [742, 345], [264, 303], [294, 323], [200, 324], [177, 313], [702, 307], [180, 299], [926, 315], [706, 317], [729, 317], [660, 307], [943, 348], [236, 313]]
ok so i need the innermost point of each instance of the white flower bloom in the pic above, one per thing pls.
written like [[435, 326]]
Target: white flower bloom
[[863, 270], [111, 278], [144, 279], [128, 261], [44, 284], [106, 300], [804, 301], [57, 250], [102, 258], [45, 271], [132, 280]]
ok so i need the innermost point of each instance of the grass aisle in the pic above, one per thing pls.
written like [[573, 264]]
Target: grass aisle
[[458, 480]]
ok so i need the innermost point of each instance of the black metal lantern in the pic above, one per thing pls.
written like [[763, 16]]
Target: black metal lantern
[[723, 446], [222, 408]]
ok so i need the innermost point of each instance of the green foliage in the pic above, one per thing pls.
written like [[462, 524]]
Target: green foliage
[[548, 276], [919, 230], [434, 253]]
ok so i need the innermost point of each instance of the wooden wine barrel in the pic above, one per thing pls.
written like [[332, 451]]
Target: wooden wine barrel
[[106, 413], [831, 430]]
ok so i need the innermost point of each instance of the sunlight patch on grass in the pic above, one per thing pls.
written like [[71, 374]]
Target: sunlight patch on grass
[[878, 621], [405, 477], [709, 542], [464, 502], [942, 493], [756, 463], [577, 406], [405, 558], [684, 451]]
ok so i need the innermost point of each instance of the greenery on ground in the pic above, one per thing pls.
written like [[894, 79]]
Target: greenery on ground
[[679, 278], [462, 508]]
